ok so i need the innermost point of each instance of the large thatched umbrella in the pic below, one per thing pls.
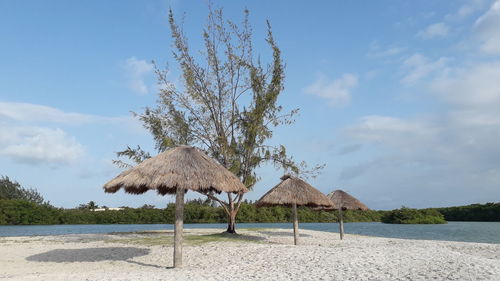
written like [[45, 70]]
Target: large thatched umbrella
[[343, 201], [174, 172], [292, 191]]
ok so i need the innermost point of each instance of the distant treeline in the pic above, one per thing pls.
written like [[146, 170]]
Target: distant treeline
[[474, 212], [17, 212], [413, 216], [20, 205]]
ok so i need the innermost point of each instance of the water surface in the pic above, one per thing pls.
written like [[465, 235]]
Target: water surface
[[484, 232]]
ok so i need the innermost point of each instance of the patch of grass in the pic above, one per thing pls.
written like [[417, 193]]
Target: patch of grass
[[220, 237], [147, 241], [14, 241], [190, 240]]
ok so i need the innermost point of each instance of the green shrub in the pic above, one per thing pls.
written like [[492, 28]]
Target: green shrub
[[25, 212]]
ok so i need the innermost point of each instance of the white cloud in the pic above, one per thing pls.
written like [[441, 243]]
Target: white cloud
[[477, 86], [420, 67], [337, 92], [449, 140], [37, 145], [435, 159], [30, 133], [488, 28], [136, 71], [434, 30], [448, 153], [390, 130], [474, 117]]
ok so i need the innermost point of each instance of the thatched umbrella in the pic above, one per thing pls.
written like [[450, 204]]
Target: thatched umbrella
[[174, 172], [343, 201], [292, 191]]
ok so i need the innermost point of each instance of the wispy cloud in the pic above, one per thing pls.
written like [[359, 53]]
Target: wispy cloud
[[488, 28], [136, 71], [349, 149], [336, 92], [392, 51], [377, 51], [28, 112], [40, 113], [388, 52], [466, 10], [420, 67], [439, 29]]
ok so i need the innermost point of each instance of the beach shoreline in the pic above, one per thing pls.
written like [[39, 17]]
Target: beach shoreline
[[255, 254]]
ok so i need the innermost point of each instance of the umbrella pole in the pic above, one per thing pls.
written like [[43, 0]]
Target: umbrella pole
[[295, 225], [341, 224], [179, 215]]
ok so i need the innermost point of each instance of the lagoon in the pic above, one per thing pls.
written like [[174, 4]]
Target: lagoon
[[482, 232]]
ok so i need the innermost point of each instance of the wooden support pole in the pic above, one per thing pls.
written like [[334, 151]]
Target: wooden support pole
[[179, 216], [295, 225], [341, 224]]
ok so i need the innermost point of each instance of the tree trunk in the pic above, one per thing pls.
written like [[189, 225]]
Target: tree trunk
[[231, 211], [231, 222], [295, 225], [341, 224], [179, 215], [230, 208]]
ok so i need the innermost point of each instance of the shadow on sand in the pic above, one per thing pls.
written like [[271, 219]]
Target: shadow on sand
[[90, 254]]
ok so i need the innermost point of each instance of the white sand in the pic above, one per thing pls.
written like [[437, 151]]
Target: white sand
[[321, 256]]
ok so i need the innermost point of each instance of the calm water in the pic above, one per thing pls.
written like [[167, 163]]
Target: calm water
[[485, 232]]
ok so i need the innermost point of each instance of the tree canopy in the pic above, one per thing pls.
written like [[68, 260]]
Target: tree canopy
[[227, 104], [13, 190]]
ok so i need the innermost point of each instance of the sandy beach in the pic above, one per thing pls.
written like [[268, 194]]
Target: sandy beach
[[257, 254]]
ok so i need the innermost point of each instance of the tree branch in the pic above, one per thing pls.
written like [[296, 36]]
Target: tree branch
[[222, 203], [238, 204]]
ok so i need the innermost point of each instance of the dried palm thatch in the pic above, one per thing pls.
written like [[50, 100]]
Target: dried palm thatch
[[174, 172], [292, 190], [182, 167], [344, 200]]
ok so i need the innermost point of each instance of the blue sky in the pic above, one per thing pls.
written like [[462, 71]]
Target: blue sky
[[398, 98]]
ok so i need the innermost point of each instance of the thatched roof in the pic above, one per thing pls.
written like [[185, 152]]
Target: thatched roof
[[182, 167], [294, 190], [348, 202]]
